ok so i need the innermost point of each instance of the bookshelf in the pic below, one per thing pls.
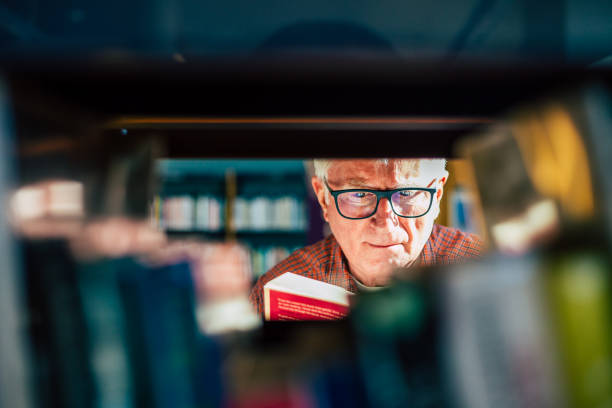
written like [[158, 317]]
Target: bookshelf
[[315, 354], [260, 203]]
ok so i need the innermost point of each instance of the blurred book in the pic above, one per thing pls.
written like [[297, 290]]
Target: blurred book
[[62, 373], [161, 333], [179, 213], [578, 289], [498, 339], [595, 114], [295, 297], [105, 322], [130, 179], [187, 213], [518, 216], [461, 210], [398, 345], [264, 258], [208, 213], [261, 213]]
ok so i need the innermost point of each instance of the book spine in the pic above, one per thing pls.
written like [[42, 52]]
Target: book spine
[[202, 217], [63, 376], [162, 333], [108, 354]]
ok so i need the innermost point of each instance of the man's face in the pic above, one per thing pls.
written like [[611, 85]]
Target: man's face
[[376, 245]]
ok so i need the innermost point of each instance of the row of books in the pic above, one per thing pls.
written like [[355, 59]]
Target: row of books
[[188, 213], [531, 332], [264, 258], [264, 213], [116, 332], [207, 213], [504, 332]]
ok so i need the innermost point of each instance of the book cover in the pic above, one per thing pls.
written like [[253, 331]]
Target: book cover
[[295, 297]]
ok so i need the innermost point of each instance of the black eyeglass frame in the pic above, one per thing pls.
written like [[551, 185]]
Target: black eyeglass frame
[[381, 194]]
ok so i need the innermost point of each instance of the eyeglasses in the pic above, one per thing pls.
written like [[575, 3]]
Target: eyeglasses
[[359, 203]]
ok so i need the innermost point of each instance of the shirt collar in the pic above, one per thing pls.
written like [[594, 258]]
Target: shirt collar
[[364, 288]]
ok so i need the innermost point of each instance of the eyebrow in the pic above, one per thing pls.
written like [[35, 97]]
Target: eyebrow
[[364, 185], [362, 182], [358, 182]]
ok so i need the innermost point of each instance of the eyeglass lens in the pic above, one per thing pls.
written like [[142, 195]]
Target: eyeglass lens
[[406, 203]]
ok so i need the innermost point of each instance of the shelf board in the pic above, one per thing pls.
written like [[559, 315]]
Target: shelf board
[[250, 235], [283, 233], [203, 233]]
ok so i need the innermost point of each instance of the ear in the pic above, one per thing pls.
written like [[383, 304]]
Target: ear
[[320, 191], [441, 183]]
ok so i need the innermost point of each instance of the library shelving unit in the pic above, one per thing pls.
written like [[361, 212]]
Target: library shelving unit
[[259, 203], [60, 339]]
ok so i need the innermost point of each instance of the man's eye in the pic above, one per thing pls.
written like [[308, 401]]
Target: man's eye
[[408, 194], [359, 197]]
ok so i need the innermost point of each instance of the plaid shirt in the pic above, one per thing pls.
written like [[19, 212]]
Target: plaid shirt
[[325, 261]]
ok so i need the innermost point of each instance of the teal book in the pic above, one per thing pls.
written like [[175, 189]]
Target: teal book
[[108, 355]]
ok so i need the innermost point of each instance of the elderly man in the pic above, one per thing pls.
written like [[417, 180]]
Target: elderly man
[[381, 214]]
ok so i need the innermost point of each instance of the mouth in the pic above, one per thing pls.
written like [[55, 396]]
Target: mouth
[[383, 246]]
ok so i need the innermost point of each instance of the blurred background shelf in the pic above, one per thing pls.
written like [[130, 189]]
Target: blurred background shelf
[[262, 204]]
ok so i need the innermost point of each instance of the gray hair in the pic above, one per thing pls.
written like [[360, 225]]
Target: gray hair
[[321, 166]]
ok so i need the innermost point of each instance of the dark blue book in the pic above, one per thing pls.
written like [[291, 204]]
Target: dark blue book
[[62, 376], [167, 355]]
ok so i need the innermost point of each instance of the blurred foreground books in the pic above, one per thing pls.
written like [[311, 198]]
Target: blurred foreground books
[[116, 333]]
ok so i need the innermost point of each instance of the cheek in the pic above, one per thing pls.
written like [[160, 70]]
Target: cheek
[[411, 225], [416, 228], [347, 232]]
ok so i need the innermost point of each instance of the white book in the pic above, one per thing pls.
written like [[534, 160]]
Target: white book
[[214, 214], [239, 214], [202, 209], [284, 217], [187, 212], [258, 211]]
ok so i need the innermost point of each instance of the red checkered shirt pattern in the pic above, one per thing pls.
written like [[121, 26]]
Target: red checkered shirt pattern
[[324, 260]]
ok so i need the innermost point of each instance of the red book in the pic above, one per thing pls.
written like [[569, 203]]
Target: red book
[[295, 297]]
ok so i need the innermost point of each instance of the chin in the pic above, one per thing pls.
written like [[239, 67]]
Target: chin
[[381, 275]]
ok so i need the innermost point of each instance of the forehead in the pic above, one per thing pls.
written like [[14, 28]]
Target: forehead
[[378, 172]]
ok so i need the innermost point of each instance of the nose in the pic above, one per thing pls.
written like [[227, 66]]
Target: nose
[[384, 211]]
